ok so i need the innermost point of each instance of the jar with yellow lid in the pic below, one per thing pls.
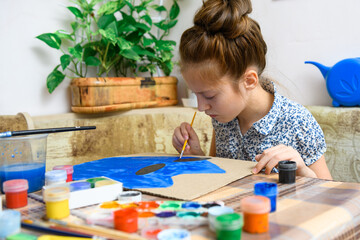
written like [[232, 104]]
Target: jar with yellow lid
[[57, 202]]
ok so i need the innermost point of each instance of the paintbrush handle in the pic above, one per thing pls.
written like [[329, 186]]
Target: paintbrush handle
[[183, 149], [45, 130]]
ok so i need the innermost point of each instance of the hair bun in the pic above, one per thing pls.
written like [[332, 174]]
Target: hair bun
[[226, 17]]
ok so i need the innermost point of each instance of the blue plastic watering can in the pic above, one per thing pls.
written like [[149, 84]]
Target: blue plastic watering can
[[342, 81]]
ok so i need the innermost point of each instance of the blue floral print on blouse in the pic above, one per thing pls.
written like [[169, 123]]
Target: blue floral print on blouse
[[287, 123]]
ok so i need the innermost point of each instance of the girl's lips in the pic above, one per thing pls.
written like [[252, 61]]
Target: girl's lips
[[213, 116]]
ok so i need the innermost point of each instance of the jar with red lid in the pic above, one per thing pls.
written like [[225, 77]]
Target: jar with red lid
[[256, 214], [16, 193], [69, 171]]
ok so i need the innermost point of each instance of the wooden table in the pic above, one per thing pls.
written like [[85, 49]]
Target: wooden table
[[308, 209]]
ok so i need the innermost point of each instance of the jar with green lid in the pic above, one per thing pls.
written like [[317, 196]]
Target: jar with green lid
[[228, 226]]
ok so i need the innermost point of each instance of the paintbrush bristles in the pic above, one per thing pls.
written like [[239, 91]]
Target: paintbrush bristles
[[183, 149]]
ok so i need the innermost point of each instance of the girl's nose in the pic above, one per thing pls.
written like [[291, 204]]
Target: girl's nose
[[202, 105]]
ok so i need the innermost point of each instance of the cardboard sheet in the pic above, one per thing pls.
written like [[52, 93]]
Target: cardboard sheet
[[191, 186]]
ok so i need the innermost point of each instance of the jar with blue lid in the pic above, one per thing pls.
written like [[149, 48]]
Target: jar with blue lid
[[54, 177]]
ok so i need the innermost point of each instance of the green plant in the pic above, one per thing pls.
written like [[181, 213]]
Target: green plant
[[119, 37]]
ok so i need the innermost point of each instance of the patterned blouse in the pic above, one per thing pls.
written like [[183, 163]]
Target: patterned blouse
[[287, 123]]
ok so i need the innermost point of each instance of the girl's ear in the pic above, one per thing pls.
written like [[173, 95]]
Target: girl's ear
[[251, 79]]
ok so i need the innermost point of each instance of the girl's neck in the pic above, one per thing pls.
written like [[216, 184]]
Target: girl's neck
[[259, 104]]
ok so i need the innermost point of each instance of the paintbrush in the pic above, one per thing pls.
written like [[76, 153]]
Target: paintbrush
[[45, 130], [183, 149]]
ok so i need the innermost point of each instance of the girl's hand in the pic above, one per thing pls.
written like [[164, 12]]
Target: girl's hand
[[272, 156], [186, 132]]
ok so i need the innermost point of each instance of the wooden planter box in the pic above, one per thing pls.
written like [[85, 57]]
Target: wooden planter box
[[98, 95]]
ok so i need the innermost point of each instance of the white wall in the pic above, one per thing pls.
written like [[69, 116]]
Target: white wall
[[295, 31]]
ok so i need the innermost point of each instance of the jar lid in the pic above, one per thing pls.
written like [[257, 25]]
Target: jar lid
[[219, 210], [287, 165], [265, 189], [15, 185], [55, 194], [175, 234], [56, 175], [255, 204], [68, 168], [230, 221]]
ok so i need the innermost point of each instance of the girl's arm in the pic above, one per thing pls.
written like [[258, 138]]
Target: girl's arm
[[320, 169]]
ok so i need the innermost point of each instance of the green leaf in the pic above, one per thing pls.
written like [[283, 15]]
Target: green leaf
[[50, 39], [123, 44], [174, 11], [65, 61], [105, 20], [163, 25], [62, 34], [54, 79], [76, 12], [109, 34], [110, 7], [76, 51], [130, 54], [89, 51], [74, 26], [113, 26], [142, 27], [143, 52], [166, 56], [159, 8], [147, 19], [124, 26], [92, 61], [166, 45], [147, 42]]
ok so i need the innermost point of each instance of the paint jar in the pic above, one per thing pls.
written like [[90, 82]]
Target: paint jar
[[9, 223], [166, 217], [146, 218], [77, 186], [287, 171], [216, 211], [256, 213], [151, 232], [228, 226], [57, 202], [24, 158], [269, 190], [126, 220], [174, 234], [55, 177], [16, 193], [190, 205], [94, 180], [69, 171], [130, 196]]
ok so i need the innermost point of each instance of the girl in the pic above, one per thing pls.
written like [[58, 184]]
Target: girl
[[222, 57]]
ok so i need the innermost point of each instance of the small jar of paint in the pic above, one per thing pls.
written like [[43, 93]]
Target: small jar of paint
[[228, 226], [78, 186], [166, 217], [57, 202], [103, 183], [269, 190], [54, 177], [174, 234], [216, 211], [69, 171], [287, 171], [16, 193], [256, 213], [9, 223], [126, 220]]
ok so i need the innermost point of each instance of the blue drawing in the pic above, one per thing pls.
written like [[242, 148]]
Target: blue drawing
[[127, 169]]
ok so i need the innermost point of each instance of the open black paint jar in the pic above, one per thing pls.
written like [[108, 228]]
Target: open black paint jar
[[287, 171]]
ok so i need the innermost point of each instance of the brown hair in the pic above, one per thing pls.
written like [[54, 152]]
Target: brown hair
[[224, 35]]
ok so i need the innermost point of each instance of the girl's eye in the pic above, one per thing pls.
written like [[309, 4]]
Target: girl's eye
[[210, 97]]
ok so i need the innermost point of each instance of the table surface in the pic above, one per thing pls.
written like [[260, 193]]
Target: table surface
[[308, 209]]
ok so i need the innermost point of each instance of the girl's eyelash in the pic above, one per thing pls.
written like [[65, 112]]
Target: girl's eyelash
[[209, 98]]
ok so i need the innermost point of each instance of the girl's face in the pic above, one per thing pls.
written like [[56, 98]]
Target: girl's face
[[217, 98]]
